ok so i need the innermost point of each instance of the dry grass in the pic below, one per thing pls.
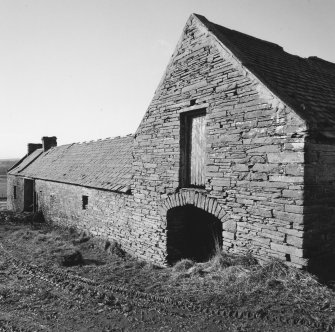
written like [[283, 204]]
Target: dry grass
[[183, 266], [239, 282], [231, 281]]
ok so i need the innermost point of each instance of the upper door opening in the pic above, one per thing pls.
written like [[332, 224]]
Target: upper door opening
[[193, 149]]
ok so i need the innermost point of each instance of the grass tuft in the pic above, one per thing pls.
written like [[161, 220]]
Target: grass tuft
[[183, 265], [114, 248]]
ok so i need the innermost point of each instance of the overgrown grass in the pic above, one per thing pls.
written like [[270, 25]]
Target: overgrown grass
[[229, 280], [240, 282]]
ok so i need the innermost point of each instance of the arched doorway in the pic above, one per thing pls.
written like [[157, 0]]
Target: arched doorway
[[192, 233]]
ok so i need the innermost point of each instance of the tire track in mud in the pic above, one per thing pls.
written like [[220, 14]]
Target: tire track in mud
[[81, 290], [12, 319], [105, 295], [13, 324]]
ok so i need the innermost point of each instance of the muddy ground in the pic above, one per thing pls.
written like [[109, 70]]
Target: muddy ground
[[110, 291]]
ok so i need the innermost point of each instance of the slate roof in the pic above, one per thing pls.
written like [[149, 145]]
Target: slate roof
[[305, 84], [24, 162], [104, 164]]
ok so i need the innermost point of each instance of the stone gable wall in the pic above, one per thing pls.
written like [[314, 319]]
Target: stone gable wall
[[255, 151], [267, 180]]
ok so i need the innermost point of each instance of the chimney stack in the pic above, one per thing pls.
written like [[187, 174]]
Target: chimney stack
[[49, 142], [33, 146]]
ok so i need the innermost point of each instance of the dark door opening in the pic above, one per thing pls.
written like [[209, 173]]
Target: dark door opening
[[28, 195], [192, 233]]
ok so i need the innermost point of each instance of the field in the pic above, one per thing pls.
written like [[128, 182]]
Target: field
[[4, 165], [53, 279]]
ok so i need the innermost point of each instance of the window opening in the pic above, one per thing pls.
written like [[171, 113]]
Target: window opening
[[14, 189], [52, 199], [85, 202]]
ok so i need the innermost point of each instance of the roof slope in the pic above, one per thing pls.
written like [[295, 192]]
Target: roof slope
[[104, 164], [305, 84], [24, 162]]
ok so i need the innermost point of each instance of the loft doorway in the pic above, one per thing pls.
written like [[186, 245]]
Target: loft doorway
[[29, 195], [192, 233], [193, 149]]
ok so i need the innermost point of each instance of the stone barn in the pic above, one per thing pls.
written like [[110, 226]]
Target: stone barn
[[236, 151]]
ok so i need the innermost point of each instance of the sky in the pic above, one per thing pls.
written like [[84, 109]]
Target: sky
[[87, 69]]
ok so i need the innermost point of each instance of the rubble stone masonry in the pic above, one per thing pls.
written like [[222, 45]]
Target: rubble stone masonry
[[107, 215], [255, 152], [268, 178]]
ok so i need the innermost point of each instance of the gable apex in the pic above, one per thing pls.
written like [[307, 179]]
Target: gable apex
[[306, 85]]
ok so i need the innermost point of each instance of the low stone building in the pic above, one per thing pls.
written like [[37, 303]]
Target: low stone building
[[236, 150]]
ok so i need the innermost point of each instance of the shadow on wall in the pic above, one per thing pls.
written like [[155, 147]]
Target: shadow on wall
[[192, 233], [319, 206]]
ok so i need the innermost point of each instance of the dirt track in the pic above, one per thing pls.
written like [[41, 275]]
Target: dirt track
[[66, 302], [61, 301], [51, 298]]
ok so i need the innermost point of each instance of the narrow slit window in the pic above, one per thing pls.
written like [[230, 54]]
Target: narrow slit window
[[14, 192], [85, 202]]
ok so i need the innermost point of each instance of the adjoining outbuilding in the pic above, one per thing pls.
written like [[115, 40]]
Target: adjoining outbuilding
[[236, 151]]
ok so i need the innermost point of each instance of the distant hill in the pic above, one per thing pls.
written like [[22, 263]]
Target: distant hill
[[5, 164]]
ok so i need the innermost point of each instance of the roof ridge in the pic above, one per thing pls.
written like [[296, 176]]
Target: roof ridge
[[103, 164], [305, 85], [210, 24], [204, 20], [33, 157], [93, 141]]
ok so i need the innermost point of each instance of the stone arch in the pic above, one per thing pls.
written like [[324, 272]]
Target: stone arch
[[194, 226], [197, 199]]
